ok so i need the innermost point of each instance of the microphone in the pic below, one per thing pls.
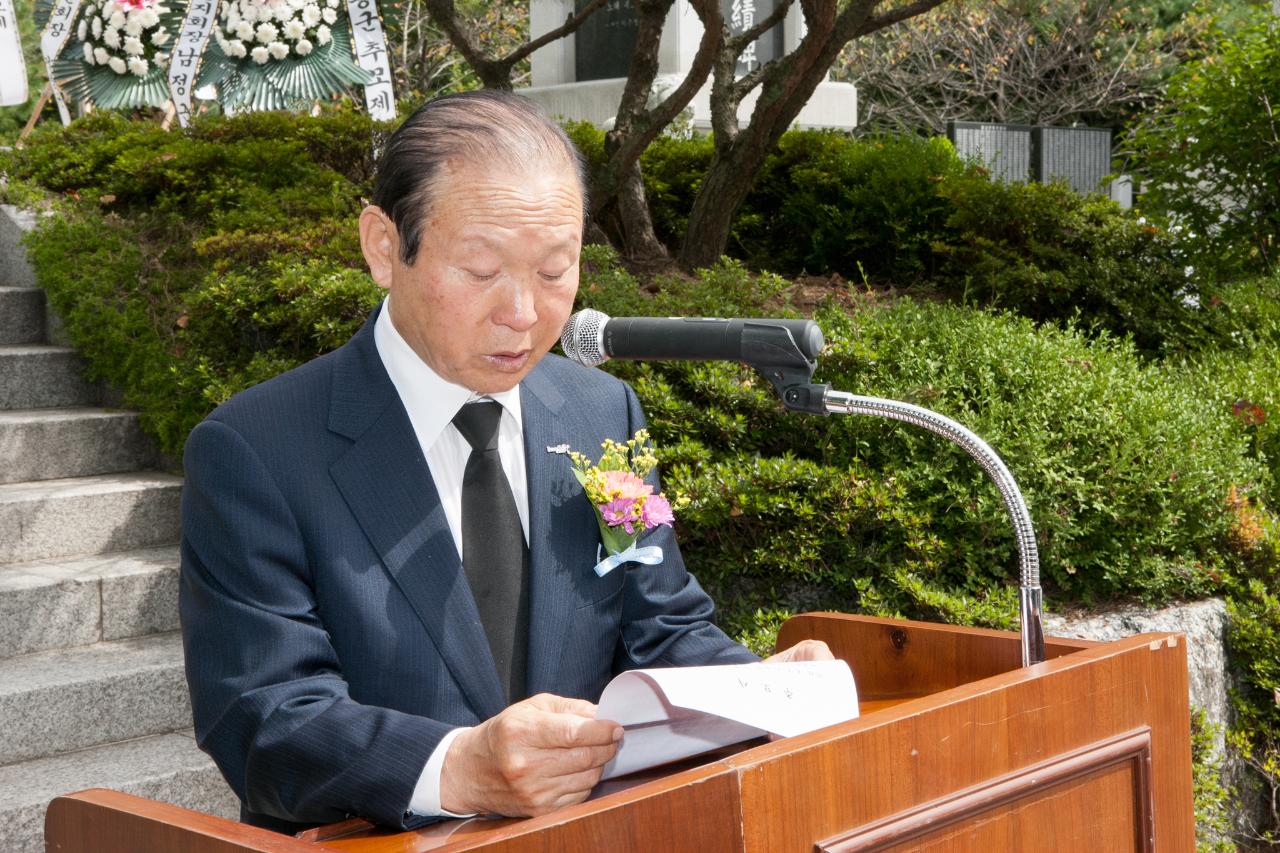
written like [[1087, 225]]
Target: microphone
[[592, 337]]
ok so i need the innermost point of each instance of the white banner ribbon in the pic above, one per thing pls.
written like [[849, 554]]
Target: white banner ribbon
[[13, 67], [184, 65], [52, 40], [371, 54], [650, 555]]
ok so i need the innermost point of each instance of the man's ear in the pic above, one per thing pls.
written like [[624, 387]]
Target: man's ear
[[380, 243]]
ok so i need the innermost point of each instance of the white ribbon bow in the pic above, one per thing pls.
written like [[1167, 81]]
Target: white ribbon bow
[[650, 555]]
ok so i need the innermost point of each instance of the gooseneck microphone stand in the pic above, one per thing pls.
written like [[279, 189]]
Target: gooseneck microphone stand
[[787, 357], [1030, 597]]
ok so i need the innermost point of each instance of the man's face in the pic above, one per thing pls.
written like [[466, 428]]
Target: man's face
[[495, 275]]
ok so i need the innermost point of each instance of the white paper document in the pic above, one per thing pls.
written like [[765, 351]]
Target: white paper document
[[670, 714]]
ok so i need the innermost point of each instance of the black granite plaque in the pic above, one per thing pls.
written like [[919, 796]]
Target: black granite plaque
[[603, 45]]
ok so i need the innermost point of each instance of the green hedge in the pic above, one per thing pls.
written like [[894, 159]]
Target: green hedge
[[188, 266], [908, 212], [1127, 473]]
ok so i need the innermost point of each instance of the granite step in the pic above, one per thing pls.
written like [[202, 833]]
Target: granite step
[[49, 444], [21, 315], [88, 515], [42, 377], [169, 768], [75, 601], [69, 699]]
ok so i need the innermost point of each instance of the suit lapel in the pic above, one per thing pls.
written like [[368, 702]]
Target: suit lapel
[[554, 513], [386, 483]]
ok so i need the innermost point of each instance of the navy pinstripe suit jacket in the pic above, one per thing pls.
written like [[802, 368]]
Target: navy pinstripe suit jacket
[[331, 638]]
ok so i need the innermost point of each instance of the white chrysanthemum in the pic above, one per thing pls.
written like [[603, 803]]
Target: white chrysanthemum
[[111, 37], [249, 12], [237, 49], [260, 55], [303, 47], [138, 66], [295, 5], [323, 35], [89, 10], [133, 46], [311, 15], [332, 4], [329, 16], [278, 49], [117, 65], [266, 33], [115, 20], [283, 13], [244, 31], [294, 30], [148, 17], [109, 8], [88, 54], [96, 27], [160, 36], [133, 26], [82, 30], [100, 54], [162, 58]]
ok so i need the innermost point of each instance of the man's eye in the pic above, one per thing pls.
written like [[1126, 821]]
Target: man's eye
[[482, 276], [550, 276]]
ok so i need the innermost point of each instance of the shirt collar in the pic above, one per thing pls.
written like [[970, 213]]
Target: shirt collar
[[430, 400]]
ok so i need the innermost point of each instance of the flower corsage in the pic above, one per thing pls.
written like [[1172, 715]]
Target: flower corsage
[[625, 504]]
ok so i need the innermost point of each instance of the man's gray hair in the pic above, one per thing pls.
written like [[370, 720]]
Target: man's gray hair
[[485, 127]]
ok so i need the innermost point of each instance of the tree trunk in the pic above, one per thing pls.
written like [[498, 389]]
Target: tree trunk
[[723, 190], [785, 87], [639, 242]]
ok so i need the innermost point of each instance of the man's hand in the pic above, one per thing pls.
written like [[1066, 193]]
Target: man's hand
[[803, 650], [534, 757]]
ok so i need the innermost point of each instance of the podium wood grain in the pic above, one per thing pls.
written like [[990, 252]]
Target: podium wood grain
[[957, 749]]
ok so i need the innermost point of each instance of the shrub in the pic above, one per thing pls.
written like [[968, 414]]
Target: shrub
[[1128, 477], [188, 266], [868, 208], [1211, 155], [906, 211], [1049, 253], [1212, 798]]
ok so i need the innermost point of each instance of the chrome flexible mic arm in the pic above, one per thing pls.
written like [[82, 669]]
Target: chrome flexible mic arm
[[1030, 598]]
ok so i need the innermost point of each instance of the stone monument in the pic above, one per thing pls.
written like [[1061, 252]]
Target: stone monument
[[582, 76]]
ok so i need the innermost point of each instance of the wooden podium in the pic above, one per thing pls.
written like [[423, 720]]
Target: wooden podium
[[957, 749]]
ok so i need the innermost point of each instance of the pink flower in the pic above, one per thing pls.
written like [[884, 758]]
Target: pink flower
[[135, 5], [625, 485], [656, 510], [620, 513]]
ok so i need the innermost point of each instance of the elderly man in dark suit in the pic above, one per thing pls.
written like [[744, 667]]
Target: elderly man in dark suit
[[387, 597]]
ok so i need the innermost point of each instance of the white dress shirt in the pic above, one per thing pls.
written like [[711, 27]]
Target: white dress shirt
[[432, 402]]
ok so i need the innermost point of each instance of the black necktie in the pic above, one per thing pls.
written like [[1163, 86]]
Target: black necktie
[[494, 554]]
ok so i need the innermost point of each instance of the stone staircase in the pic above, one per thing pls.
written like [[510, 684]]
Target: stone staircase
[[92, 692]]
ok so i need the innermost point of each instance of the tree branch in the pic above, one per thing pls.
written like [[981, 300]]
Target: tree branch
[[888, 19], [636, 126], [496, 73], [490, 73], [570, 25]]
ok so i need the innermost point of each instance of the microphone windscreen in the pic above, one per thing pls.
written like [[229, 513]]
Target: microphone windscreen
[[583, 337]]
